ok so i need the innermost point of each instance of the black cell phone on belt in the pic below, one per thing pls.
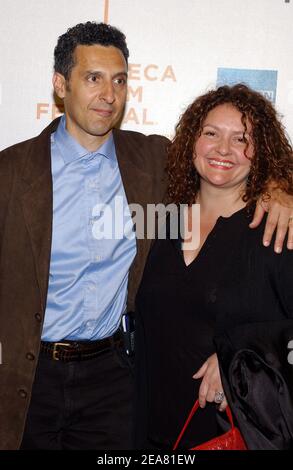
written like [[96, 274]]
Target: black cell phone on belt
[[127, 327]]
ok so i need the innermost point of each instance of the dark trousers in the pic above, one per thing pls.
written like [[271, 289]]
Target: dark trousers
[[81, 405]]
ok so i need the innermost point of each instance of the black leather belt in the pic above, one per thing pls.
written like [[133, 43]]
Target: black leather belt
[[66, 350]]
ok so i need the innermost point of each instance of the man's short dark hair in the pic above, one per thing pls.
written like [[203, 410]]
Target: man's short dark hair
[[87, 34]]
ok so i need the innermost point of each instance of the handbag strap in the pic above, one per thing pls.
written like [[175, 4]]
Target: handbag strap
[[190, 416]]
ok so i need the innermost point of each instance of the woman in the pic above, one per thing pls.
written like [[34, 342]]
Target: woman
[[229, 144]]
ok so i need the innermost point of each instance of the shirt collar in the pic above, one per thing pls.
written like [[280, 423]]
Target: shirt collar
[[71, 150]]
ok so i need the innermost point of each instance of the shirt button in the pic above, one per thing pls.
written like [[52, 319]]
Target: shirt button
[[91, 288], [93, 184], [38, 317], [22, 393], [30, 356], [98, 258]]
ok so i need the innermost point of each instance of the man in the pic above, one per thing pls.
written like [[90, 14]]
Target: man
[[65, 381]]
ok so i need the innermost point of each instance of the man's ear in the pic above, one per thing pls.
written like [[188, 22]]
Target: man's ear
[[59, 84]]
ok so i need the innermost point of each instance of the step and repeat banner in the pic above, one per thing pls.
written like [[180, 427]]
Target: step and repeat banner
[[178, 49]]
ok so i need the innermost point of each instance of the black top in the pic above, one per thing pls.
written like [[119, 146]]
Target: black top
[[233, 280]]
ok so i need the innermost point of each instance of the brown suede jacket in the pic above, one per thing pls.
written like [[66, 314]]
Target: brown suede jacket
[[25, 243]]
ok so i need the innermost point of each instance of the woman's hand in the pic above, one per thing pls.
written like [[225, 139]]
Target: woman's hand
[[280, 218], [211, 383]]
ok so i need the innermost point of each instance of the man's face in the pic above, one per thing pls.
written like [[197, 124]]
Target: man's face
[[95, 94]]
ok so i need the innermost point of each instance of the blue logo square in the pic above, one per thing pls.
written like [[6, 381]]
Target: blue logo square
[[263, 81]]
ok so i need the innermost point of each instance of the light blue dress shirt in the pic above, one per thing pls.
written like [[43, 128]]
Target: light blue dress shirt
[[91, 256]]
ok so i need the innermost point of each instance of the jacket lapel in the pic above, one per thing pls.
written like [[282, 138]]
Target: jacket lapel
[[37, 203], [136, 183]]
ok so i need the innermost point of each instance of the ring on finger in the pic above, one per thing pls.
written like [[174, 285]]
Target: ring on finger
[[219, 397]]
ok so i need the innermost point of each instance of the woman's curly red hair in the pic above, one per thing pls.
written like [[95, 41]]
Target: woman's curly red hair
[[273, 154]]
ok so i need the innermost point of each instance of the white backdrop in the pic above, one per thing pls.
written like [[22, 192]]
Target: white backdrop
[[176, 48]]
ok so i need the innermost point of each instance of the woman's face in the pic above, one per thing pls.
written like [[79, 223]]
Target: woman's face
[[219, 156]]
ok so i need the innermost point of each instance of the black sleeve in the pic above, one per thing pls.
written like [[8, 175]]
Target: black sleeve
[[283, 279]]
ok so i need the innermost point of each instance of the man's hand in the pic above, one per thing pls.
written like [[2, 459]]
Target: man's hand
[[211, 383], [280, 218]]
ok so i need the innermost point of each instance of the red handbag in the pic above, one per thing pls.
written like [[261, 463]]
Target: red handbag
[[231, 440]]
